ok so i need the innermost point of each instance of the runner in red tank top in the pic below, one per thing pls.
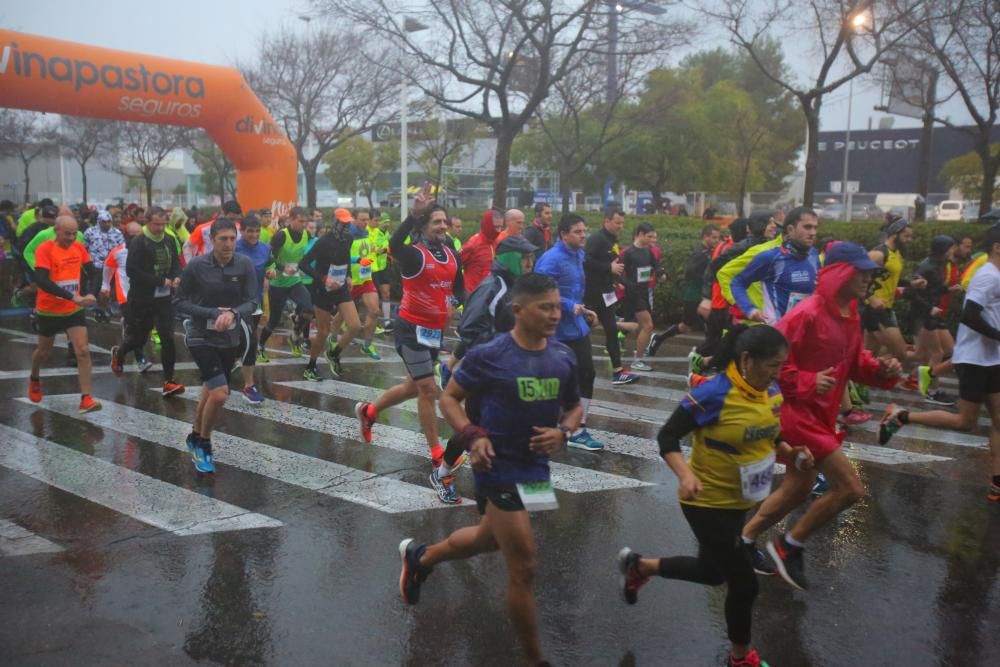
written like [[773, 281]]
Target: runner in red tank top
[[431, 275]]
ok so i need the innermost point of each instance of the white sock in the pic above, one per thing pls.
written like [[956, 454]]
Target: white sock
[[585, 402], [443, 470], [746, 540], [794, 542], [385, 309], [583, 427]]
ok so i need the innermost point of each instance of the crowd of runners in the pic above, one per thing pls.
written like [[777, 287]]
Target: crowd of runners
[[796, 328]]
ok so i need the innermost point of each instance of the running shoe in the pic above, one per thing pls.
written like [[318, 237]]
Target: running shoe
[[631, 579], [88, 404], [583, 440], [362, 411], [657, 339], [172, 388], [696, 362], [911, 382], [311, 373], [101, 317], [387, 327], [890, 423], [695, 380], [336, 367], [295, 345], [789, 561], [262, 358], [379, 330], [994, 494], [445, 374], [412, 574], [941, 398], [154, 336], [863, 393], [203, 462], [143, 364], [35, 390], [445, 488], [924, 380], [855, 417], [116, 366], [751, 659], [621, 336], [252, 395], [640, 365], [761, 563], [438, 373], [820, 486], [192, 443], [370, 352], [624, 377]]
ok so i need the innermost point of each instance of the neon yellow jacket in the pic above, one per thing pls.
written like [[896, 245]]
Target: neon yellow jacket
[[733, 267]]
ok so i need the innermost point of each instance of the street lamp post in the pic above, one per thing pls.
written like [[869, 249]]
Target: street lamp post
[[857, 23], [409, 25]]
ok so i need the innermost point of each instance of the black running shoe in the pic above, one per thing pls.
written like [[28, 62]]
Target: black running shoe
[[940, 398], [761, 563], [789, 561], [657, 339], [631, 579], [411, 574]]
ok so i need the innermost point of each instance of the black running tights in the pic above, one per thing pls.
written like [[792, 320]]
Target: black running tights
[[585, 372], [721, 559]]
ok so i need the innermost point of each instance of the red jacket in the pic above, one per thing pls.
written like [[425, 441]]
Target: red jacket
[[477, 253], [819, 337]]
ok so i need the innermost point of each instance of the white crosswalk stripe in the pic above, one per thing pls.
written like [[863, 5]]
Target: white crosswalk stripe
[[620, 443], [564, 477], [18, 541], [151, 501], [332, 479]]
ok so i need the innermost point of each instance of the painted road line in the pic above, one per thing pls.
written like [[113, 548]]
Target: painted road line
[[17, 541], [332, 479], [564, 477], [165, 506], [619, 443], [63, 371]]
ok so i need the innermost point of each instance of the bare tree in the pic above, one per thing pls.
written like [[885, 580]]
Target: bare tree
[[494, 62], [850, 37], [964, 37], [218, 174], [441, 145], [322, 88], [23, 135], [142, 148], [82, 139]]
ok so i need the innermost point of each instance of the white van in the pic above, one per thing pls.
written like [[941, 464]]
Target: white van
[[950, 210]]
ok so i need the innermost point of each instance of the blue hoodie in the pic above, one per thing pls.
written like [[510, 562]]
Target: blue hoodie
[[565, 266], [787, 276]]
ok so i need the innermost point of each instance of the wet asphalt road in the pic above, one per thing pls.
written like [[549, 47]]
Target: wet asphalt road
[[114, 552]]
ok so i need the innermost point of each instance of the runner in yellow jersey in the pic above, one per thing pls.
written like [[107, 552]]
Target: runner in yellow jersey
[[878, 318], [378, 236]]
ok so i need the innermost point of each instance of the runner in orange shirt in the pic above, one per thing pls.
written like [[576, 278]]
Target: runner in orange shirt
[[60, 267]]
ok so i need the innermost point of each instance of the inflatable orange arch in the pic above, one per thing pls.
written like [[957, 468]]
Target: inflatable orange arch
[[56, 76]]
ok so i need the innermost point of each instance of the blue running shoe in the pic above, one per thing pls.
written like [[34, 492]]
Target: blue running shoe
[[412, 574], [583, 440], [821, 486], [445, 488], [445, 375], [253, 395], [192, 443], [202, 462]]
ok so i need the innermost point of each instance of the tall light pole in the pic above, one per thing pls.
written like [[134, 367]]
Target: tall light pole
[[857, 23], [409, 25]]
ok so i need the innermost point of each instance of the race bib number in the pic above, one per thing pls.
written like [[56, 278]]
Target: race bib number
[[429, 337], [365, 273], [161, 291], [71, 286], [211, 324], [537, 496], [610, 298], [337, 272], [755, 478], [291, 269], [644, 273], [794, 299]]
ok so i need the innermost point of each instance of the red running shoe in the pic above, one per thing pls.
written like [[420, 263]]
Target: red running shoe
[[88, 404], [631, 579], [363, 411], [855, 417], [994, 495], [751, 659], [172, 388], [35, 390], [116, 367], [911, 382]]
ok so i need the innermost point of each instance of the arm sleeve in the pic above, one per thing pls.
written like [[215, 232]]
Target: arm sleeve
[[88, 270], [594, 261], [277, 241], [972, 317], [729, 270], [45, 284], [458, 286], [31, 249], [680, 423], [754, 272], [138, 265], [409, 258], [308, 263]]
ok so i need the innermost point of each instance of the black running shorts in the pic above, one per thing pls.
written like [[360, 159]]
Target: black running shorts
[[975, 383], [505, 498], [874, 319], [51, 325], [419, 359], [215, 363]]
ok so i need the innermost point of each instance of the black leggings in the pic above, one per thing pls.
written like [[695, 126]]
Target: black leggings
[[715, 327], [250, 333], [609, 323], [721, 559], [140, 318], [585, 372]]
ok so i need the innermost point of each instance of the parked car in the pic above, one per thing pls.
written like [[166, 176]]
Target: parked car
[[950, 210], [971, 212]]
